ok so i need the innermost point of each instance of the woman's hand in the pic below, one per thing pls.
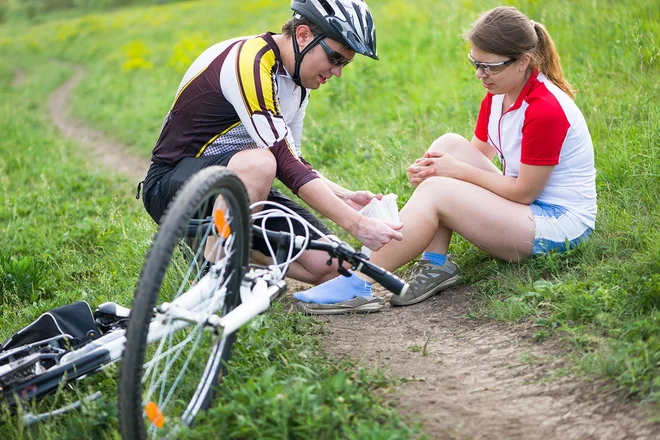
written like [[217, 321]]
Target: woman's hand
[[435, 163]]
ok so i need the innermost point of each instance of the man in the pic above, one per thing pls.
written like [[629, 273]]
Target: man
[[242, 104]]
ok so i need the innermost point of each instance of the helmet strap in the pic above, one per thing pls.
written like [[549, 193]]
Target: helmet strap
[[299, 55]]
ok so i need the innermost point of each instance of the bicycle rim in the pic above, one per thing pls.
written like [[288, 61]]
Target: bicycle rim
[[204, 237]]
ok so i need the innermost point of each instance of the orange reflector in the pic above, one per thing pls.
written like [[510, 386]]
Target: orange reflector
[[154, 414], [221, 224]]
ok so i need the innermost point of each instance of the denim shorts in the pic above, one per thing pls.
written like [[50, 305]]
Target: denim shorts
[[556, 228]]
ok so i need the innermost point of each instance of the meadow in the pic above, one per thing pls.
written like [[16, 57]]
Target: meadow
[[67, 233]]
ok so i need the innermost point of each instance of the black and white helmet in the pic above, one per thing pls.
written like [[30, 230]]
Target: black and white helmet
[[346, 21]]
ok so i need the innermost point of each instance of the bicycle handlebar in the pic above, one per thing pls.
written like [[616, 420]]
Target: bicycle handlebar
[[343, 252]]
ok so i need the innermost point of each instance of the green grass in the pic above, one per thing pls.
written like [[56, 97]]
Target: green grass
[[69, 233]]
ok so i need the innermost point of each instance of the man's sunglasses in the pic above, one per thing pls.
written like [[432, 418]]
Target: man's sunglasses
[[490, 67], [335, 58]]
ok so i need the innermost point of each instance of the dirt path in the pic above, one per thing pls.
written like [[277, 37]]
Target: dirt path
[[109, 154], [470, 379], [467, 379]]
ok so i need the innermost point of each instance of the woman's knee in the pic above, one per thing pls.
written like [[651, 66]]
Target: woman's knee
[[440, 194], [448, 143]]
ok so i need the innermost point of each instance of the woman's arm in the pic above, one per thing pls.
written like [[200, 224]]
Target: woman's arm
[[486, 149], [523, 189]]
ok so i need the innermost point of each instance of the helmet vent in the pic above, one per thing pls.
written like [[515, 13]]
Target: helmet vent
[[328, 9]]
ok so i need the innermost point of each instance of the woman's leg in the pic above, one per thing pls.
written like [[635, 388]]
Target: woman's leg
[[498, 226], [439, 205], [465, 151]]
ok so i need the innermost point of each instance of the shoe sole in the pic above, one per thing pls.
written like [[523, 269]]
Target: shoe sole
[[308, 309], [448, 283]]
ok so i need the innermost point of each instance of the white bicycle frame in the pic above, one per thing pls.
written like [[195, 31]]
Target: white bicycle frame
[[199, 305]]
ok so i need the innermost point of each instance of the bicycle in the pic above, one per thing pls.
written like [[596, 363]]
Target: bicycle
[[196, 289]]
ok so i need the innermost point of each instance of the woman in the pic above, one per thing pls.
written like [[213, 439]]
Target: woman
[[545, 197]]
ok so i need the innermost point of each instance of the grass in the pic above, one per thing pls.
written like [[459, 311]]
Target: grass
[[82, 233], [69, 232]]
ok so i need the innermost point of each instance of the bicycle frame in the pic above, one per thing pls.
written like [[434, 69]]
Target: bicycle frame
[[199, 305]]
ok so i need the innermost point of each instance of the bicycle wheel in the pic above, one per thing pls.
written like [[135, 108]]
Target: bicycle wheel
[[203, 237]]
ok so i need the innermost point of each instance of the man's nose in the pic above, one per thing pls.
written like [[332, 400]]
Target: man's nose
[[337, 70]]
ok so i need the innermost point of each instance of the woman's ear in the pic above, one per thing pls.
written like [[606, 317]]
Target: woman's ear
[[525, 59]]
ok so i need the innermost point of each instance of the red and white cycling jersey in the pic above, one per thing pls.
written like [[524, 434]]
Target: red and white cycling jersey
[[544, 127], [237, 95]]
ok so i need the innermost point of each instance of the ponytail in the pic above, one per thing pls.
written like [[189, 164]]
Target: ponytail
[[546, 60]]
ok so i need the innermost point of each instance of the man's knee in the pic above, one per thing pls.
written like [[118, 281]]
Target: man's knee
[[447, 143], [257, 169], [258, 163]]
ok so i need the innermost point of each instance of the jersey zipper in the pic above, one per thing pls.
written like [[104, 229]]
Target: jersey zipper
[[499, 148]]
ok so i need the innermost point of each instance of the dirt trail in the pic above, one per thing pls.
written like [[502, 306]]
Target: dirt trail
[[470, 379], [108, 153], [467, 379]]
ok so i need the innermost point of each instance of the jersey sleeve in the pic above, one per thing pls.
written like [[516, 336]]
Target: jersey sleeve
[[481, 130], [252, 90], [253, 93], [543, 133], [292, 170]]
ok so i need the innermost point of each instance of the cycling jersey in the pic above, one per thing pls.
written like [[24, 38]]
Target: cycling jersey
[[237, 95], [544, 127]]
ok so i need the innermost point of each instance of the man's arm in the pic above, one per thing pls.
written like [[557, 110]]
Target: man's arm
[[370, 232], [355, 199]]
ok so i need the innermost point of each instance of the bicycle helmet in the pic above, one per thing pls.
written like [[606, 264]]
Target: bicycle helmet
[[346, 21]]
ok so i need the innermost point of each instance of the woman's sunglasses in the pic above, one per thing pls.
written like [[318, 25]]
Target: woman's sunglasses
[[489, 68]]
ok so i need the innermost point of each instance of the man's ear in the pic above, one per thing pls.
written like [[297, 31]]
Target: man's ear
[[304, 36]]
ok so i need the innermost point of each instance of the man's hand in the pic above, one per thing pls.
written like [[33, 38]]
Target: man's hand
[[375, 234], [359, 199]]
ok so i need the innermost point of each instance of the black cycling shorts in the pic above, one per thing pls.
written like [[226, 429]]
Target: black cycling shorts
[[163, 182]]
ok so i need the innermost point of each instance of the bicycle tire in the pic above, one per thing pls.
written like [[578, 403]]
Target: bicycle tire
[[191, 203]]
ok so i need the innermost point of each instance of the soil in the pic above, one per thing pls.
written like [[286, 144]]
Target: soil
[[462, 378]]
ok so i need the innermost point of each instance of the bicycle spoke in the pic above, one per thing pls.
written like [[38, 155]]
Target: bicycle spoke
[[172, 363]]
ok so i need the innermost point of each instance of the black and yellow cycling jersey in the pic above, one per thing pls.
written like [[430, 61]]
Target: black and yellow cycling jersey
[[237, 95]]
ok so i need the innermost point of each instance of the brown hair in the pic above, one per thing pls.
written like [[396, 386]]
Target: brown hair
[[290, 26], [507, 31]]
